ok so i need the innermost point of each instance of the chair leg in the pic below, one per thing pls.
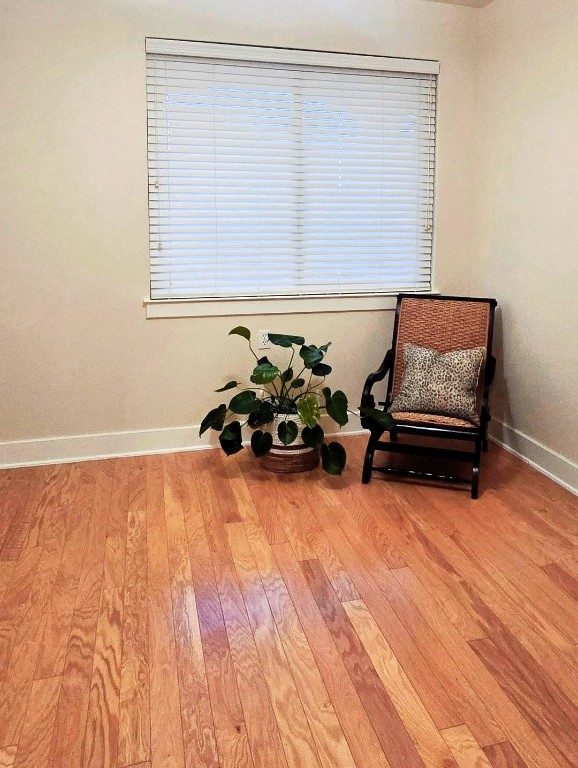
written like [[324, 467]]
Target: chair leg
[[393, 436], [368, 461], [485, 437], [476, 469]]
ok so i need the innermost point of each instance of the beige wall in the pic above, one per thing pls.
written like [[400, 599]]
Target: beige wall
[[528, 211], [78, 355]]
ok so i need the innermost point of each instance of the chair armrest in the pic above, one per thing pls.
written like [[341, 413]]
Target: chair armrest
[[367, 399]]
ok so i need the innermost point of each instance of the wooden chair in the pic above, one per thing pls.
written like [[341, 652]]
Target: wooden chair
[[446, 324]]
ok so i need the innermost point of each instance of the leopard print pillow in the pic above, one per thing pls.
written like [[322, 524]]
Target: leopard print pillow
[[444, 384]]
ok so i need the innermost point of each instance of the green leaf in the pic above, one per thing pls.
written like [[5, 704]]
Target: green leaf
[[261, 442], [313, 438], [230, 438], [322, 369], [263, 415], [325, 347], [337, 407], [383, 418], [308, 410], [285, 339], [311, 355], [244, 402], [264, 373], [214, 419], [240, 330], [228, 385], [333, 458], [297, 383], [287, 432], [286, 375], [262, 360]]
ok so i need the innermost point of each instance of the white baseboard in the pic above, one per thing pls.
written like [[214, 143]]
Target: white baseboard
[[544, 459], [62, 450]]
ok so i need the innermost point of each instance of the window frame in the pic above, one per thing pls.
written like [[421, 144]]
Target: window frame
[[290, 304]]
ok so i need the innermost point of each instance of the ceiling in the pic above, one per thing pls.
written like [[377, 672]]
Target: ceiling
[[470, 3]]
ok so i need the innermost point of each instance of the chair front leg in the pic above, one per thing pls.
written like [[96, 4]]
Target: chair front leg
[[368, 461], [476, 467]]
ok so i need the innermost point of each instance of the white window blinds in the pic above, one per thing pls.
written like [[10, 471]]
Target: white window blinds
[[283, 177]]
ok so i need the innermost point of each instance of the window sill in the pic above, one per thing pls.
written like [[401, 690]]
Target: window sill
[[290, 305]]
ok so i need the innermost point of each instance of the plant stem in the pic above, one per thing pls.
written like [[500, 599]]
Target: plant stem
[[252, 350]]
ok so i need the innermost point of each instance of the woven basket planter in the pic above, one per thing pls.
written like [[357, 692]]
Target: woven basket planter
[[296, 457]]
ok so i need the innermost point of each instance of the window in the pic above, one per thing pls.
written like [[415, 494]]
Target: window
[[288, 173]]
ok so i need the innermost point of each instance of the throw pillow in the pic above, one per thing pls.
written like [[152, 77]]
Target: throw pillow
[[444, 384]]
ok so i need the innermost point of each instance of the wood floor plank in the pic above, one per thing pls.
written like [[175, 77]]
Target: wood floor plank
[[224, 497], [531, 522], [6, 570], [528, 487], [442, 709], [391, 513], [198, 725], [460, 665], [230, 728], [563, 579], [15, 604], [333, 567], [318, 545], [300, 526], [503, 755], [69, 733], [552, 716], [19, 531], [430, 745], [177, 546], [116, 533], [519, 576], [57, 501], [298, 742], [167, 748], [265, 494], [361, 737], [91, 572], [52, 482], [10, 480], [7, 756], [36, 737], [477, 716], [329, 738], [15, 691], [101, 740], [479, 576], [262, 729], [134, 719], [63, 600], [362, 524], [14, 499], [464, 748], [391, 732]]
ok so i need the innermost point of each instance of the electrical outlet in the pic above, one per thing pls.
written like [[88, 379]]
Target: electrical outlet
[[264, 342]]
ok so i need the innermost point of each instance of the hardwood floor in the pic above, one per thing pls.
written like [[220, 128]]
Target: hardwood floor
[[191, 610]]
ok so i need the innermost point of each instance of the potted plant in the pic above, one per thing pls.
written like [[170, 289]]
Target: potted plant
[[283, 407]]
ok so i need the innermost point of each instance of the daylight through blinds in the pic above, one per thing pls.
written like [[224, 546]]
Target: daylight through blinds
[[280, 179]]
